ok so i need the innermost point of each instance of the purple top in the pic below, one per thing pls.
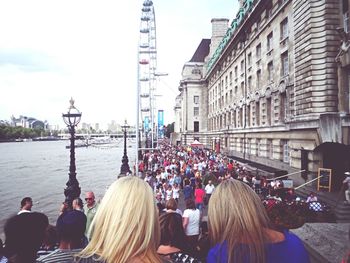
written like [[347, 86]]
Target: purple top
[[290, 250]]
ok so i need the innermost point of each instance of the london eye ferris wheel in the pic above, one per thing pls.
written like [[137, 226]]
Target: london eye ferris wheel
[[147, 65]]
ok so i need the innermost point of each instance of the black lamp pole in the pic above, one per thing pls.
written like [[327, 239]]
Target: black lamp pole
[[125, 169], [71, 119]]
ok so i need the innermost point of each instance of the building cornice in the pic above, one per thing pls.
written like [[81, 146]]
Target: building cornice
[[234, 37]]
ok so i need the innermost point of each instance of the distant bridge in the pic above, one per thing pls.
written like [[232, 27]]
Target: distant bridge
[[97, 135]]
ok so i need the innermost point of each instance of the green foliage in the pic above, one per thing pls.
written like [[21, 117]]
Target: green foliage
[[9, 133], [169, 129]]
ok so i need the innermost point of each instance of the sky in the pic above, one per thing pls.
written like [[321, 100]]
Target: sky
[[52, 50]]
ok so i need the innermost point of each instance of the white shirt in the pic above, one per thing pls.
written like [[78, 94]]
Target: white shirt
[[169, 194], [209, 189], [23, 211], [311, 199], [193, 216], [176, 193], [347, 180]]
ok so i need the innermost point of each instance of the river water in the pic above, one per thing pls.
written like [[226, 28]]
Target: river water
[[40, 170]]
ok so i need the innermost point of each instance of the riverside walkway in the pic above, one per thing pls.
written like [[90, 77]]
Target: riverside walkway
[[202, 165]]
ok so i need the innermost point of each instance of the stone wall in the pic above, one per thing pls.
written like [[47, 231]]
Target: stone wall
[[316, 46]]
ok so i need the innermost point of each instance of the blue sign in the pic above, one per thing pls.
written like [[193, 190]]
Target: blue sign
[[160, 123], [146, 124]]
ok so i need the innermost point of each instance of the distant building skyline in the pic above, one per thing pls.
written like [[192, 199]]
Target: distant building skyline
[[28, 122]]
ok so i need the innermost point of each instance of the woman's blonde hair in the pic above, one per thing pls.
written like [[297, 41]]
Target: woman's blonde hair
[[126, 224], [237, 216]]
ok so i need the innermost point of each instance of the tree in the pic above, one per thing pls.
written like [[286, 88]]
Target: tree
[[169, 129], [8, 132]]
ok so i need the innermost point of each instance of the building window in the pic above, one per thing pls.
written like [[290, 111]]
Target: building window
[[258, 51], [226, 82], [230, 77], [283, 107], [249, 84], [257, 113], [269, 42], [285, 64], [269, 149], [240, 117], [248, 115], [258, 79], [258, 147], [268, 111], [234, 119], [346, 16], [270, 71], [345, 6], [196, 126], [242, 87], [231, 95], [196, 99], [346, 22], [236, 72], [248, 148], [195, 111], [242, 66], [284, 29], [249, 59], [285, 151]]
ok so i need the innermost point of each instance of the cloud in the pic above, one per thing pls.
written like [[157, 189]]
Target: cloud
[[27, 60], [86, 49]]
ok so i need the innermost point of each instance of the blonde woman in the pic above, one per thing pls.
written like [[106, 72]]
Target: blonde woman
[[240, 229], [126, 225]]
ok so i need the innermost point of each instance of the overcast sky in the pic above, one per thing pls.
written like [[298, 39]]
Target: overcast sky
[[51, 50]]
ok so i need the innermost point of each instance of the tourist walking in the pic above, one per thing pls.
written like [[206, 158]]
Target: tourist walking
[[188, 191], [191, 220], [70, 228], [176, 192], [199, 195], [90, 209], [346, 182], [311, 198], [209, 189], [77, 204], [24, 235], [26, 205], [173, 243], [171, 207]]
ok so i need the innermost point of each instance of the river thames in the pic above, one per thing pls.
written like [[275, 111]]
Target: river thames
[[40, 170]]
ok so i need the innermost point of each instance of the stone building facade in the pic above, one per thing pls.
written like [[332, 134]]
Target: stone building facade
[[276, 87]]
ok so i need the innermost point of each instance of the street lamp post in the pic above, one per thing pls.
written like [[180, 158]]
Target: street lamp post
[[125, 169], [71, 119]]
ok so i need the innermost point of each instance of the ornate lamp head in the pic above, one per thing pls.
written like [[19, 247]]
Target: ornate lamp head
[[73, 116]]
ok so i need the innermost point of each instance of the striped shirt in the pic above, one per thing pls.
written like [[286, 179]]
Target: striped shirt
[[59, 255]]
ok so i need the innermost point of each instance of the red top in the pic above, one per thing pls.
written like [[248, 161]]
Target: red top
[[199, 195]]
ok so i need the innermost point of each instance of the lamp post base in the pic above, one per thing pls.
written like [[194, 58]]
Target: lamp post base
[[72, 191], [125, 168]]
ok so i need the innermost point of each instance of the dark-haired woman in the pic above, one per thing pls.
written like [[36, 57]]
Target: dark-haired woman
[[173, 243]]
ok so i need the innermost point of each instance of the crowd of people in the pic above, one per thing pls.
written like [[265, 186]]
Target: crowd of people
[[140, 218]]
